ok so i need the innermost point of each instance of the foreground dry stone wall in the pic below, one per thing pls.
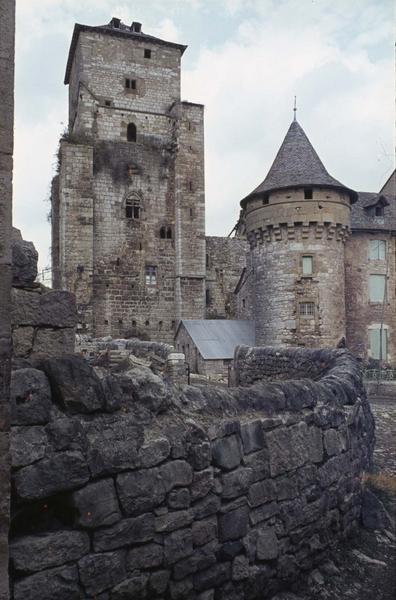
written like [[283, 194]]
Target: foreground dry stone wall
[[127, 488]]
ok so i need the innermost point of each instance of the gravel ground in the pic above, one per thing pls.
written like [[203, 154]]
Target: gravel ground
[[365, 567]]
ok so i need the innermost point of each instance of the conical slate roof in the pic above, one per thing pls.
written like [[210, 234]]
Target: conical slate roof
[[297, 165]]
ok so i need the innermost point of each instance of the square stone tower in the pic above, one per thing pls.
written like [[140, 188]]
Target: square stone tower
[[128, 205]]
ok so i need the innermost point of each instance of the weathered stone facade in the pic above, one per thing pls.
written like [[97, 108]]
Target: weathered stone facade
[[7, 52], [128, 488], [225, 261], [43, 321], [128, 208], [371, 250]]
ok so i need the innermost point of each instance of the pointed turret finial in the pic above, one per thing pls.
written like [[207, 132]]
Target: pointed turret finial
[[295, 108]]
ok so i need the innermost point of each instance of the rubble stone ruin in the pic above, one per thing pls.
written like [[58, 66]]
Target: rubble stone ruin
[[127, 487]]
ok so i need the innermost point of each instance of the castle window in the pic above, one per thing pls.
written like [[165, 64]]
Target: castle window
[[379, 211], [377, 250], [151, 275], [190, 186], [307, 265], [132, 208], [377, 288], [107, 102], [169, 233], [265, 201], [130, 84], [243, 303], [308, 194], [147, 53], [207, 261], [131, 132], [207, 297], [378, 344], [147, 323], [307, 309], [162, 233]]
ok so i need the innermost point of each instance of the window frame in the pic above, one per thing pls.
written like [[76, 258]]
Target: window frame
[[309, 314], [310, 274], [376, 329], [384, 297], [150, 275], [380, 244], [133, 206]]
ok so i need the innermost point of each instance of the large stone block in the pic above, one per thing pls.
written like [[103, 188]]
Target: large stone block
[[27, 445], [24, 262], [202, 558], [140, 491], [134, 587], [22, 341], [30, 397], [97, 504], [262, 492], [267, 544], [75, 385], [99, 572], [176, 473], [227, 452], [252, 435], [63, 471], [38, 552], [43, 308], [113, 442], [236, 483], [288, 448], [178, 545], [53, 342], [61, 582], [125, 533], [147, 556], [234, 524]]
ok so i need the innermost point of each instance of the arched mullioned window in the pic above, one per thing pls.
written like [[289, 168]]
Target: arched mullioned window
[[133, 207], [131, 132]]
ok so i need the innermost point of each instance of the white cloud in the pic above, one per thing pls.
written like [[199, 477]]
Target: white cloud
[[335, 55]]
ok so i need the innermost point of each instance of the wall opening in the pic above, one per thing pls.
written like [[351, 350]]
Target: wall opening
[[131, 132]]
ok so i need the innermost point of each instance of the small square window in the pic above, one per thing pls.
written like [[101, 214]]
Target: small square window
[[147, 53], [379, 211], [151, 275], [377, 250], [308, 194], [130, 84], [307, 309], [307, 265]]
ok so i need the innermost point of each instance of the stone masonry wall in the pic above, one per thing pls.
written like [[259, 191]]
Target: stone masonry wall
[[361, 313], [128, 488], [7, 63], [43, 321], [225, 260]]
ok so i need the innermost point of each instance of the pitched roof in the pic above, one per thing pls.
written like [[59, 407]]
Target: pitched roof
[[218, 338], [297, 165], [122, 30], [363, 214]]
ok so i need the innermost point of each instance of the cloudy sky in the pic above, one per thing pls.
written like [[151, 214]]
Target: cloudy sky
[[245, 61]]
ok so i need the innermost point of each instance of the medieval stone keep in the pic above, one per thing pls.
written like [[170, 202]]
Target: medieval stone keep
[[312, 262]]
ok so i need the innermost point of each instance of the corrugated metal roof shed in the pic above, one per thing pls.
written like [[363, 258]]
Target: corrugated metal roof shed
[[218, 338]]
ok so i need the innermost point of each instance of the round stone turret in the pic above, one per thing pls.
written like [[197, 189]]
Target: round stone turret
[[297, 221]]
